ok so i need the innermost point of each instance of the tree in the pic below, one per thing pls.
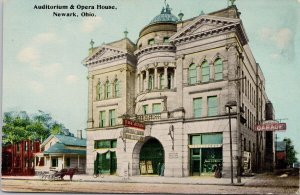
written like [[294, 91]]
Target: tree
[[290, 152], [19, 126]]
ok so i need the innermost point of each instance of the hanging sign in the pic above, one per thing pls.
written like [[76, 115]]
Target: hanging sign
[[271, 127], [131, 123]]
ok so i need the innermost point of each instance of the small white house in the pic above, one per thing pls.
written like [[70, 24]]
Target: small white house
[[61, 152]]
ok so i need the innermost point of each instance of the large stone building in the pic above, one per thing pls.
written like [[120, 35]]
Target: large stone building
[[178, 80]]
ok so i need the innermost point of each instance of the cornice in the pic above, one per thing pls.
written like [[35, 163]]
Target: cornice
[[155, 48]]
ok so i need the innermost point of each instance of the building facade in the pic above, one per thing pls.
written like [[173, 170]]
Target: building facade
[[61, 152], [178, 80], [18, 158]]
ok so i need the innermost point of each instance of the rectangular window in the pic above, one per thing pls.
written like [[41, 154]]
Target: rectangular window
[[166, 39], [145, 109], [151, 41], [156, 108], [105, 144], [112, 117], [197, 106], [54, 162], [26, 146], [68, 162], [102, 119], [212, 106]]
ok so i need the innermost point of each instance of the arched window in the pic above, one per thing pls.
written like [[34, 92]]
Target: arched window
[[161, 81], [107, 89], [150, 82], [192, 74], [205, 71], [218, 69], [99, 91], [117, 88]]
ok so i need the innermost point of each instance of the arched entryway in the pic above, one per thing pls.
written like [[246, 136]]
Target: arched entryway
[[151, 157], [148, 157]]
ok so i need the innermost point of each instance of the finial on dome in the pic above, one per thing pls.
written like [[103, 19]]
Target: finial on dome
[[126, 33], [180, 16]]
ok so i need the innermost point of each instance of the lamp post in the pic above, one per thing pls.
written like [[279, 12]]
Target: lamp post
[[230, 142]]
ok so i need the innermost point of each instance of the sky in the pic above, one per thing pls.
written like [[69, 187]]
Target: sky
[[42, 54]]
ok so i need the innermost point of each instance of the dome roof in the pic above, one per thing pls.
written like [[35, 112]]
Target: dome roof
[[165, 16]]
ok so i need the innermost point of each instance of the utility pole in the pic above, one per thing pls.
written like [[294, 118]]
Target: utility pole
[[230, 143]]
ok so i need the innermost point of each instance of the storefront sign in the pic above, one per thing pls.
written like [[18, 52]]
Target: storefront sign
[[134, 137], [131, 123], [149, 117], [133, 131], [271, 127], [205, 146], [173, 155]]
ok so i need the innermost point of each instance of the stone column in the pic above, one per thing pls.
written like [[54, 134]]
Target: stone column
[[211, 71], [199, 76], [155, 77], [141, 82], [138, 83], [175, 77], [147, 79], [90, 122], [166, 76]]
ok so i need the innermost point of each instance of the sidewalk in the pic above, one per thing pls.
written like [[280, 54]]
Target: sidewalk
[[201, 180]]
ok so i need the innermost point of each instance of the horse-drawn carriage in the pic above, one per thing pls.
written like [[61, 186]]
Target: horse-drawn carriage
[[58, 175]]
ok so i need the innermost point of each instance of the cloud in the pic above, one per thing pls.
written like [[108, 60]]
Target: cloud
[[32, 56], [71, 79], [36, 87], [281, 39], [29, 55], [298, 1], [44, 38], [90, 24]]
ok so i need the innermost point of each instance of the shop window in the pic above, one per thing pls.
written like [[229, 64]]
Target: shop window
[[151, 41], [205, 153], [54, 162], [102, 119], [156, 108], [197, 106], [145, 109], [112, 117], [212, 106], [205, 71], [192, 74], [218, 69]]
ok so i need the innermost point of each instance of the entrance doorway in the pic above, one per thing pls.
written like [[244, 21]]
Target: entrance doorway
[[106, 162], [151, 157]]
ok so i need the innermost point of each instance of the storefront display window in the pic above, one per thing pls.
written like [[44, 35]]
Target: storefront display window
[[205, 153]]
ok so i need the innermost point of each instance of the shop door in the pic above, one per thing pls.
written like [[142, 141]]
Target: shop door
[[151, 157], [106, 162]]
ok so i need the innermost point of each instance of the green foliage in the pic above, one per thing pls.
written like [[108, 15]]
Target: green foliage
[[290, 151], [19, 126]]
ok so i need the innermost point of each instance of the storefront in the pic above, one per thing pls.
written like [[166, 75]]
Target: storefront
[[205, 153], [105, 156]]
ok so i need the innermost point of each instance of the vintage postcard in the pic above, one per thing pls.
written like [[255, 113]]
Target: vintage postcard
[[160, 96]]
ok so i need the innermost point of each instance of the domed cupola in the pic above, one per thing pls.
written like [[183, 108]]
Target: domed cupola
[[165, 16]]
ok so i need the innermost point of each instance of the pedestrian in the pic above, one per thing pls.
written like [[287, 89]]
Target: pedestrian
[[218, 171]]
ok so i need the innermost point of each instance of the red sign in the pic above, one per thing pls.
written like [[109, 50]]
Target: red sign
[[271, 127], [131, 123]]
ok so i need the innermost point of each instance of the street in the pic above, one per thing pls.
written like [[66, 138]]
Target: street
[[261, 184]]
